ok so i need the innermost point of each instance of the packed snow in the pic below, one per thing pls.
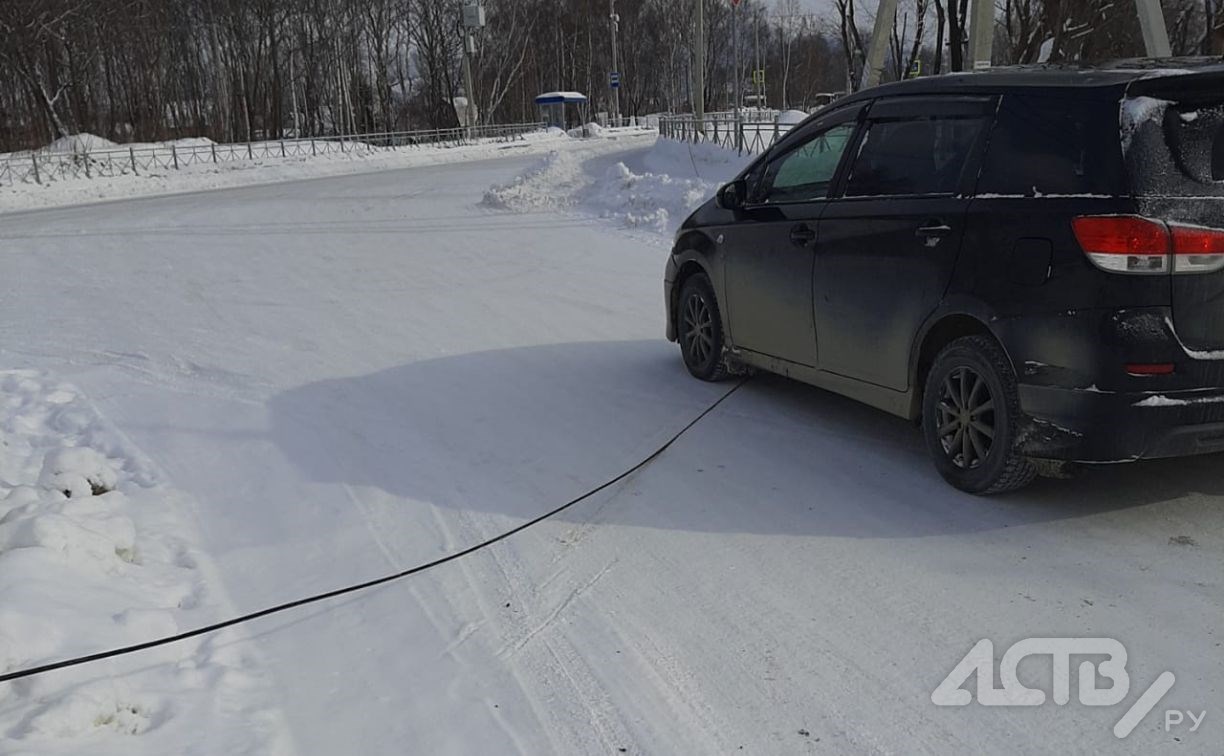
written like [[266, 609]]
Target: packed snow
[[256, 394], [96, 552]]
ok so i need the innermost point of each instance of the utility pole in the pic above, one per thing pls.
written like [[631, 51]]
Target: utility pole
[[469, 90], [886, 18], [614, 84], [297, 133], [758, 85], [981, 30], [473, 19], [1155, 33], [699, 77]]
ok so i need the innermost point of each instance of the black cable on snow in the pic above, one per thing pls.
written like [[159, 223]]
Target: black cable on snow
[[125, 650]]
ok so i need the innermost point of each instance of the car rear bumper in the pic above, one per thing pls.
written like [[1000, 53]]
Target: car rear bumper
[[1087, 425]]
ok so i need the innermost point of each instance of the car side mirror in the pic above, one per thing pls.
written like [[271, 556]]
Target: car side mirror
[[732, 196]]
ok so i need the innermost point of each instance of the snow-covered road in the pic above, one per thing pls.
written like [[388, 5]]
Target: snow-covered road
[[348, 376]]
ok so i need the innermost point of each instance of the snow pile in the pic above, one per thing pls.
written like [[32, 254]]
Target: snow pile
[[705, 161], [791, 117], [591, 129], [656, 201], [186, 142], [96, 553], [79, 144], [554, 182], [672, 180]]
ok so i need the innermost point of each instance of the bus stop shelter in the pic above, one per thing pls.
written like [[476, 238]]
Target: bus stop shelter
[[555, 111]]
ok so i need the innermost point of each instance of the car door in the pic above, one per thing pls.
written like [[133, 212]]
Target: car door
[[770, 250], [889, 240]]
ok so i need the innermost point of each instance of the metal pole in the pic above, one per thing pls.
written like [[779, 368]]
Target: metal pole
[[699, 78], [615, 21], [297, 133], [981, 30], [886, 18], [757, 86], [468, 89], [1155, 33], [738, 77]]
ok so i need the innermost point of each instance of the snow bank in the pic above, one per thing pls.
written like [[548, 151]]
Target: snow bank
[[272, 169], [79, 144], [791, 117], [674, 179], [97, 552], [655, 201], [589, 130]]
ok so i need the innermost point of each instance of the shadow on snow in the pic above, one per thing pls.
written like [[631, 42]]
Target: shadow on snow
[[518, 431]]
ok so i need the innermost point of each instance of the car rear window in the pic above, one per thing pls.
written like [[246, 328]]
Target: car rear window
[[1050, 145], [1174, 149]]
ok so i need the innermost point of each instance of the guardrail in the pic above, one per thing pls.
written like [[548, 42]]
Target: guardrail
[[752, 132], [42, 167]]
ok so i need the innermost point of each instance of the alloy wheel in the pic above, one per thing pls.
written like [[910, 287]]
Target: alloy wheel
[[698, 329], [966, 418]]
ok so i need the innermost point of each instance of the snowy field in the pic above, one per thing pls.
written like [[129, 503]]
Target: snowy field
[[218, 401]]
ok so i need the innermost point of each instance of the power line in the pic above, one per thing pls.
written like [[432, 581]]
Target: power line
[[125, 650]]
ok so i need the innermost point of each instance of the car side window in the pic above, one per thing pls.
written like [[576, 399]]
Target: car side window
[[1054, 145], [806, 172], [918, 156]]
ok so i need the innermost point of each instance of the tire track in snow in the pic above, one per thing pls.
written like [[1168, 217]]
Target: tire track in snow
[[552, 662]]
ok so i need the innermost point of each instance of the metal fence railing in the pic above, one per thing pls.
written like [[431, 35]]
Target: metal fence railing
[[42, 166], [753, 132]]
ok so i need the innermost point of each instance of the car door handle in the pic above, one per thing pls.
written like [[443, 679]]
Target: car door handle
[[933, 228], [802, 235]]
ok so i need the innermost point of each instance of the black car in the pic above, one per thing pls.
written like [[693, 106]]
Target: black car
[[1030, 261]]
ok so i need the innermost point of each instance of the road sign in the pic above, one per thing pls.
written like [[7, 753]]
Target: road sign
[[614, 80], [915, 69], [474, 16], [758, 76]]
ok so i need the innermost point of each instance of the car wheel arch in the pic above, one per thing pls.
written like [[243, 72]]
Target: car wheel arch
[[689, 264], [942, 329]]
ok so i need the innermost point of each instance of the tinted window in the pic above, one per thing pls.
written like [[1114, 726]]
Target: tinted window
[[806, 172], [914, 157], [1054, 145]]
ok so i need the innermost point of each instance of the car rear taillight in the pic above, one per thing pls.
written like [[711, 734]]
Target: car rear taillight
[[1133, 244], [1146, 368], [1197, 249], [1124, 243]]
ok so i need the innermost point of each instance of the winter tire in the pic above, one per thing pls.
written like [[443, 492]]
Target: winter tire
[[971, 416], [700, 329]]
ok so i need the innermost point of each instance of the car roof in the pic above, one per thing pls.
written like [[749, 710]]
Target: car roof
[[1115, 75]]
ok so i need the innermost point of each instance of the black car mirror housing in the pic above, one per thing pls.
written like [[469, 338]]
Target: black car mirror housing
[[732, 196]]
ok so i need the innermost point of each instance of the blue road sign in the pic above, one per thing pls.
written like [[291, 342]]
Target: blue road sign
[[614, 80]]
